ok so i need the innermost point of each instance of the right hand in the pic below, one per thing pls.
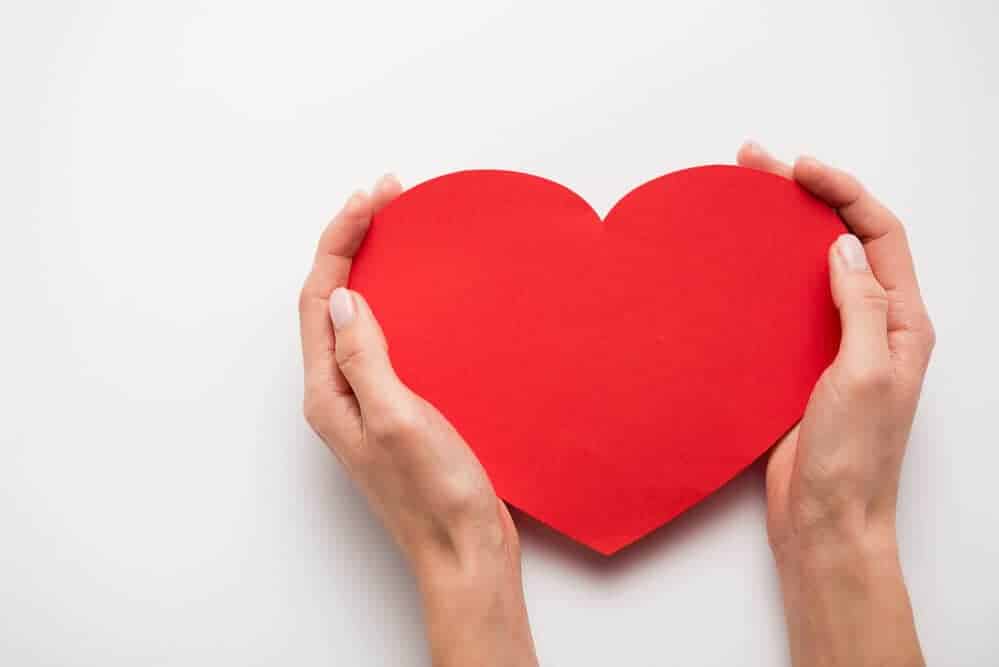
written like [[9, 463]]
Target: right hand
[[418, 474]]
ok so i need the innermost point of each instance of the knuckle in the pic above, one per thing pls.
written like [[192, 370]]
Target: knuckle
[[464, 496], [306, 297], [864, 291], [875, 298], [314, 412], [832, 488], [868, 380], [832, 476], [834, 508], [349, 357], [396, 425]]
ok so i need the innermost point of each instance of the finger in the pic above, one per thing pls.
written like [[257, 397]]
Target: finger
[[337, 246], [863, 310], [386, 189], [362, 354], [754, 156], [865, 216], [344, 235], [887, 250]]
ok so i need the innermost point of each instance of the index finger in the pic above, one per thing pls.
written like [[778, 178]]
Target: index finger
[[334, 254], [330, 269], [887, 249], [885, 244]]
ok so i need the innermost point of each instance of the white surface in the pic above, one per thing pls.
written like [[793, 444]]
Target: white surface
[[166, 169]]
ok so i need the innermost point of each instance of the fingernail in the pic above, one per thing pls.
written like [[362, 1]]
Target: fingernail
[[851, 251], [341, 308]]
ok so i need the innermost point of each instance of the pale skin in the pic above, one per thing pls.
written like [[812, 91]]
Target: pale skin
[[832, 481]]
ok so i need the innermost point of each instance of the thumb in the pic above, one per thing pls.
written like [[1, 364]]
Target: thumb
[[863, 309], [361, 351]]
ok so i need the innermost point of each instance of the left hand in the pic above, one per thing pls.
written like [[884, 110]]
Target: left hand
[[832, 481], [836, 473]]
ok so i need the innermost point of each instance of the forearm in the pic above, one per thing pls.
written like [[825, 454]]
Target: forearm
[[846, 604], [474, 607]]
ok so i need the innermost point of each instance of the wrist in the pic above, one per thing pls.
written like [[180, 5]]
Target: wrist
[[466, 559], [829, 539], [845, 600], [473, 599], [476, 538], [472, 562], [846, 562]]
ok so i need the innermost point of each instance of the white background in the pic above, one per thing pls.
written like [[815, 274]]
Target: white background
[[165, 170]]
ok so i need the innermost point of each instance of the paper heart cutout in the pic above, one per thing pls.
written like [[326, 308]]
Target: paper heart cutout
[[609, 375]]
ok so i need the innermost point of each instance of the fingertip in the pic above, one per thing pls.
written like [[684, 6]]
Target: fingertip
[[388, 184], [851, 253], [386, 189], [347, 229], [342, 308], [754, 156], [750, 152]]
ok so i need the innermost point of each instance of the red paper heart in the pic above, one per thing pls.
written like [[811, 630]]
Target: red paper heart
[[611, 374]]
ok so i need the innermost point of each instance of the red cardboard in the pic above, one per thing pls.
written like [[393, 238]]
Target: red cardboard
[[608, 374]]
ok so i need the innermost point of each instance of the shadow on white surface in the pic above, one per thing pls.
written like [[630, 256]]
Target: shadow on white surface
[[747, 487]]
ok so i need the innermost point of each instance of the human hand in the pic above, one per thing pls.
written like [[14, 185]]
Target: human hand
[[832, 481], [419, 476]]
